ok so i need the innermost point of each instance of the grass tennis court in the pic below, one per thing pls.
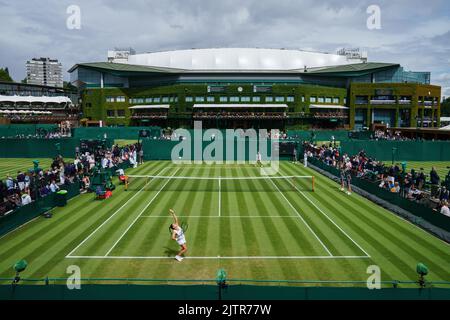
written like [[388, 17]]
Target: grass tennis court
[[441, 167], [253, 228], [13, 165]]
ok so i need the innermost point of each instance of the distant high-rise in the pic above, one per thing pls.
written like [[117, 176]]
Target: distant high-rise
[[45, 71]]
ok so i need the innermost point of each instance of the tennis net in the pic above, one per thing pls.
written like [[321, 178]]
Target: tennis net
[[221, 184]]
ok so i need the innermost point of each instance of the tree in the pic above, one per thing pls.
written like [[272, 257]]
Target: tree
[[25, 81], [70, 86], [445, 107], [4, 75]]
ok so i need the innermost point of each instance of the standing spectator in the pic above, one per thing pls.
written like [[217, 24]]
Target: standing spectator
[[434, 179], [141, 155], [305, 159]]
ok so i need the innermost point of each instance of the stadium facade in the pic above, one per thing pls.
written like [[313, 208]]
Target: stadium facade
[[242, 87]]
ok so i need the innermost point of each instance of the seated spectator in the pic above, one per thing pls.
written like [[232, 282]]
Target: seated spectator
[[26, 199], [395, 188], [444, 209], [53, 186]]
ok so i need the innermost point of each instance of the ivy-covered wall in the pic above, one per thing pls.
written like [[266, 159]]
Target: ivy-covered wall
[[95, 105]]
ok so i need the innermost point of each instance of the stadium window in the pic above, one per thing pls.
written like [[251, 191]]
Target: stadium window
[[189, 99], [328, 100], [312, 99], [121, 113], [210, 99], [279, 99], [269, 99], [256, 99], [223, 99], [148, 100], [234, 99], [303, 98], [172, 99], [199, 99], [120, 99], [157, 100], [290, 99], [245, 99], [321, 100], [336, 100], [176, 99], [165, 99], [110, 99], [110, 113], [345, 100]]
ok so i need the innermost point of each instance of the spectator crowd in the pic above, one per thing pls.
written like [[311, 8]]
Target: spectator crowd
[[412, 185], [27, 186]]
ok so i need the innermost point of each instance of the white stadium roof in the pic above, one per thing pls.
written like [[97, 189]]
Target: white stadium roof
[[245, 59], [31, 99]]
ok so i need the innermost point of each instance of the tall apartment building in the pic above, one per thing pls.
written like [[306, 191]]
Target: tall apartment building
[[45, 71]]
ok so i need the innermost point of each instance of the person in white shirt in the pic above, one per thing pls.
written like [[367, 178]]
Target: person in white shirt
[[54, 187], [178, 236], [445, 210], [258, 159], [26, 199]]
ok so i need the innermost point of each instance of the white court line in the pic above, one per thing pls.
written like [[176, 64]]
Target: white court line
[[104, 222], [140, 213], [223, 217], [219, 257], [337, 226], [299, 215]]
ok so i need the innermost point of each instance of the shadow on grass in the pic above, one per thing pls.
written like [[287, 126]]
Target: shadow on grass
[[169, 252]]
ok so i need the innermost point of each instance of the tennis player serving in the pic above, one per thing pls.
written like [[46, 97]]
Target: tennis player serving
[[178, 235]]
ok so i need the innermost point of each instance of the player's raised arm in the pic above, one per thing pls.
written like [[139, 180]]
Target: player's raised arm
[[175, 218]]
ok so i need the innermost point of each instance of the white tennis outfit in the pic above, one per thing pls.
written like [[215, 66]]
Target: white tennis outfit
[[180, 236]]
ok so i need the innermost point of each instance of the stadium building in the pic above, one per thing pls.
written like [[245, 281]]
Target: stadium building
[[22, 103], [259, 88]]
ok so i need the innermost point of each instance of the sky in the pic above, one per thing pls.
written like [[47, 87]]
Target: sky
[[414, 33]]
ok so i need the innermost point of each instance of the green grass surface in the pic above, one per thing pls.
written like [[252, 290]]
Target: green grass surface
[[252, 230]]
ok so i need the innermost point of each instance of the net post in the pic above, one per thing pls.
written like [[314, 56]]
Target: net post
[[313, 183]]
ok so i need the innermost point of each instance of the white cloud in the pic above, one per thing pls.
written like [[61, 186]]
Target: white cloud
[[412, 34]]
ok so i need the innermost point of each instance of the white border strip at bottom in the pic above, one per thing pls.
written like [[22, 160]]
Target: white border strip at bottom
[[219, 257]]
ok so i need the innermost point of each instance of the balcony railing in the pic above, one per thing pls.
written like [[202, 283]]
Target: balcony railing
[[150, 115], [240, 115], [383, 101]]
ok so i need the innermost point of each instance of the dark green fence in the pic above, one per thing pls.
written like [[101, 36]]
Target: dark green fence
[[13, 130], [162, 149], [319, 135], [37, 148], [417, 209], [123, 133], [400, 150], [211, 292], [26, 213]]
